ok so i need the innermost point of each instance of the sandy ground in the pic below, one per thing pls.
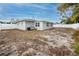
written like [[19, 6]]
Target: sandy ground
[[56, 41]]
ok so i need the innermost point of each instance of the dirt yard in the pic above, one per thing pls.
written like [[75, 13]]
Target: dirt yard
[[56, 41]]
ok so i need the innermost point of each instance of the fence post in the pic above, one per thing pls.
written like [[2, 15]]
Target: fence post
[[0, 27]]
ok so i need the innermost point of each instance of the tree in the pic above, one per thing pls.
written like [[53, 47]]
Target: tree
[[74, 18]]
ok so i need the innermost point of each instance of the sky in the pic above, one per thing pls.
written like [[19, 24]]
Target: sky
[[38, 11]]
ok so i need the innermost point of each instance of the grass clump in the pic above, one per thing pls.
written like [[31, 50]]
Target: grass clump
[[76, 45], [76, 48]]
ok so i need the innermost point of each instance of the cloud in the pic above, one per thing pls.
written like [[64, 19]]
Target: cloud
[[40, 6]]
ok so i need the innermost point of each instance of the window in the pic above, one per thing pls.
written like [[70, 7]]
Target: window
[[37, 24], [47, 24], [17, 23], [51, 24]]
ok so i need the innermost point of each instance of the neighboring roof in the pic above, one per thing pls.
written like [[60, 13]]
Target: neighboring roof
[[44, 21], [29, 20]]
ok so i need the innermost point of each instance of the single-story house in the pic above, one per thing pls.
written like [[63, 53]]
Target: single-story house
[[33, 24]]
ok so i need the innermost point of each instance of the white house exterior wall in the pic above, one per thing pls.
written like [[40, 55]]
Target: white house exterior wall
[[40, 27], [25, 24], [45, 26], [29, 24], [21, 25]]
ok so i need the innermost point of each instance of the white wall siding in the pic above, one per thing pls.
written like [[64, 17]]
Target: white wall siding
[[24, 25], [45, 26], [29, 24], [40, 26], [21, 25]]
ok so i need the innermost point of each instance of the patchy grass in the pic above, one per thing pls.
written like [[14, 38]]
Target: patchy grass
[[76, 48], [76, 45]]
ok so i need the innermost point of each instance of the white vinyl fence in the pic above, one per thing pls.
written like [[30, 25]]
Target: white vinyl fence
[[15, 26], [8, 26], [74, 26], [12, 26]]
